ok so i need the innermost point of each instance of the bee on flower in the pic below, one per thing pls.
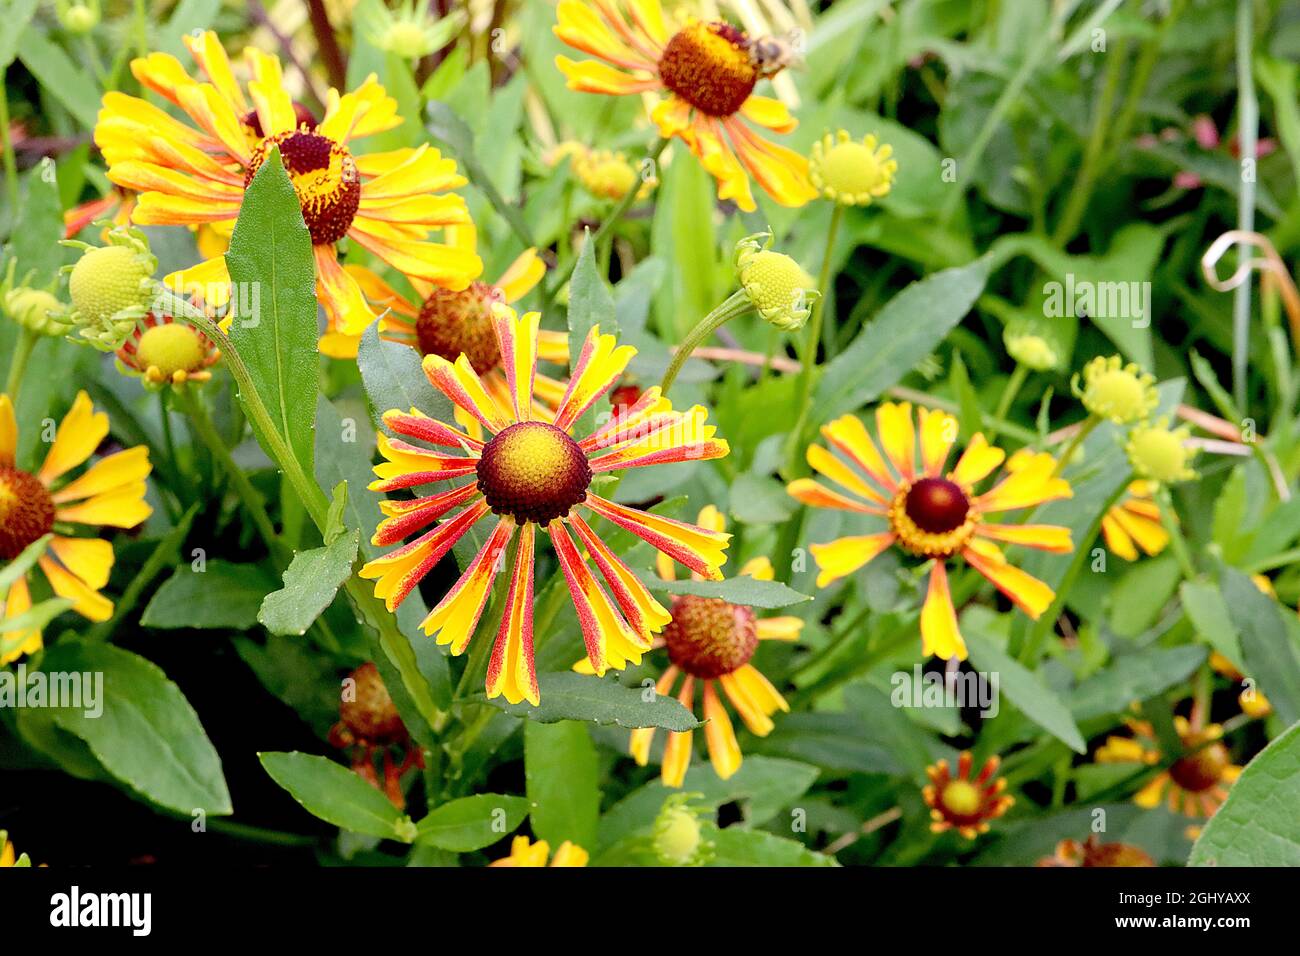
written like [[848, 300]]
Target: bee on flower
[[108, 494], [706, 72], [195, 173], [932, 515], [533, 475], [711, 642]]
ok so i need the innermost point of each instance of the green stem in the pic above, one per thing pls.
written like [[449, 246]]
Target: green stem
[[10, 161], [249, 495], [1247, 131], [18, 364], [1009, 393], [736, 304], [1177, 543], [165, 555], [809, 357], [1091, 422]]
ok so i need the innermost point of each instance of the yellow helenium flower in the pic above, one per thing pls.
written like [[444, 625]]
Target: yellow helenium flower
[[1158, 452], [1196, 784], [108, 494], [1134, 523], [533, 474], [524, 853], [163, 351], [1116, 392], [195, 175], [962, 804], [849, 172], [930, 515], [711, 641], [707, 72]]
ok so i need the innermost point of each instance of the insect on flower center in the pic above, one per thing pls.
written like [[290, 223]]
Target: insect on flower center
[[26, 511], [324, 176], [533, 471], [451, 323], [709, 66], [961, 798], [709, 637], [170, 347], [1201, 770]]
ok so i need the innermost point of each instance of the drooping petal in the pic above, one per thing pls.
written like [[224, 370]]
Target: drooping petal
[[642, 737], [781, 171], [521, 278], [212, 60], [677, 752], [700, 550], [397, 573], [754, 698], [578, 25], [842, 557], [86, 601], [512, 672], [1023, 590], [600, 622], [456, 616], [340, 293], [90, 559], [1141, 526], [784, 628], [643, 612], [1117, 539], [724, 749], [939, 633], [769, 113]]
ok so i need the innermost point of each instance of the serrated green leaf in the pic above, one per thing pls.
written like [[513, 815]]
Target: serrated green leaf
[[336, 795], [1258, 824], [311, 581], [147, 737], [472, 823], [562, 774], [222, 596], [273, 277], [569, 696]]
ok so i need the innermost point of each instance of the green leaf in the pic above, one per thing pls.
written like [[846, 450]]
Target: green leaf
[[1270, 657], [738, 846], [222, 596], [472, 823], [763, 786], [336, 795], [1209, 615], [1023, 688], [1258, 824], [1137, 676], [909, 327], [273, 302], [34, 243], [590, 302], [34, 618], [759, 499], [297, 673], [1141, 594], [562, 774], [147, 736], [26, 560], [17, 16], [335, 521], [738, 590], [60, 76], [569, 696], [311, 581]]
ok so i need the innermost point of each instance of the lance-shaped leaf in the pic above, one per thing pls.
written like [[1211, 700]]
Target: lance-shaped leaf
[[310, 583], [336, 795], [570, 696]]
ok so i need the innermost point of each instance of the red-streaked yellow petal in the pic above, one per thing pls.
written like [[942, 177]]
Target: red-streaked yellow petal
[[781, 171], [460, 383], [848, 435], [517, 338], [407, 465], [601, 624], [643, 612], [456, 616], [416, 424], [593, 76], [407, 517], [816, 495], [212, 60], [397, 573], [511, 670], [700, 550], [599, 365], [823, 461]]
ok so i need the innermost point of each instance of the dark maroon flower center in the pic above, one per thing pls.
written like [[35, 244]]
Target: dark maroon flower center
[[937, 505]]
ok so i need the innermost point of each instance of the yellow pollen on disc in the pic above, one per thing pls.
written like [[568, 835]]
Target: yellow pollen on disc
[[533, 471], [170, 348], [961, 798]]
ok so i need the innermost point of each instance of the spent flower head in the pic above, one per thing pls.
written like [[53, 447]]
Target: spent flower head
[[1160, 453], [778, 287], [111, 287], [851, 172], [1115, 391]]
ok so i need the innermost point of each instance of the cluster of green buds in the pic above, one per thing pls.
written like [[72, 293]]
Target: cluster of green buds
[[112, 287], [678, 833], [778, 287], [1125, 394], [409, 32], [37, 310]]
